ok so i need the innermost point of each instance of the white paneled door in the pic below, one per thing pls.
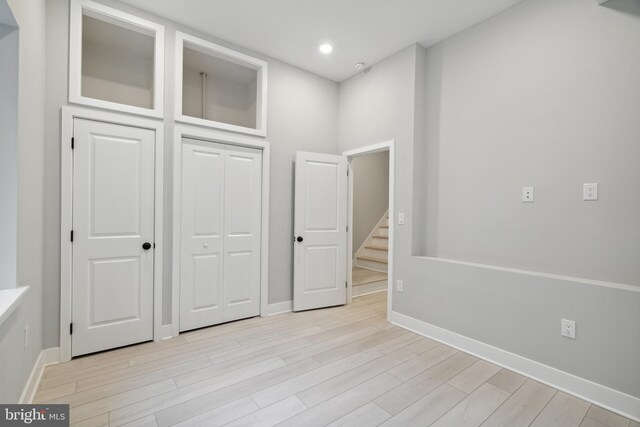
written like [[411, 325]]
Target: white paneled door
[[242, 232], [113, 236], [320, 227], [220, 233], [202, 259]]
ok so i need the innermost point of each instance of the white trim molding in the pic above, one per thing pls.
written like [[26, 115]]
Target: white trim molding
[[608, 398], [581, 280], [78, 8], [49, 356], [211, 135], [166, 332], [351, 154], [279, 308], [10, 299], [229, 55], [69, 114]]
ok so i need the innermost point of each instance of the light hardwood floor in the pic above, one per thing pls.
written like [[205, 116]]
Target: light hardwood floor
[[362, 276], [342, 366]]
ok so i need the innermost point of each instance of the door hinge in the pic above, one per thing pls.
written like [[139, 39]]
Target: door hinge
[[346, 284], [70, 328], [347, 172], [73, 142], [72, 235], [154, 245], [347, 228]]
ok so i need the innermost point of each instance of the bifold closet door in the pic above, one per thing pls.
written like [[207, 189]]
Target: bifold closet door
[[242, 232], [221, 220], [202, 259], [113, 233]]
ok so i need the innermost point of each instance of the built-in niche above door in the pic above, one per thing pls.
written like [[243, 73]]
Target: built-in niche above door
[[116, 60], [220, 88]]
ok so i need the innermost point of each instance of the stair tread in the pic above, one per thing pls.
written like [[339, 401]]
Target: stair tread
[[376, 247], [370, 258], [384, 226], [381, 237]]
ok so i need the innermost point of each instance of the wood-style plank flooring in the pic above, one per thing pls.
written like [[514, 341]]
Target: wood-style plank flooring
[[367, 281], [342, 366]]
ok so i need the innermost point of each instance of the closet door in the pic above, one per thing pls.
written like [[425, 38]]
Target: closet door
[[242, 232], [202, 257]]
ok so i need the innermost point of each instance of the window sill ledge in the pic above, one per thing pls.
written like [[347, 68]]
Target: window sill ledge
[[10, 300]]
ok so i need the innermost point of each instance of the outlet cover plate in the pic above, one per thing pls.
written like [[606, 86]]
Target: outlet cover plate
[[528, 194], [400, 285], [568, 328], [590, 191]]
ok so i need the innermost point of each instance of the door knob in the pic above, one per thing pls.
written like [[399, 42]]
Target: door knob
[[299, 239], [146, 246]]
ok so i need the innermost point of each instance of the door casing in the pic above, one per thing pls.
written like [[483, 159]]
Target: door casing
[[69, 114], [214, 136], [351, 154]]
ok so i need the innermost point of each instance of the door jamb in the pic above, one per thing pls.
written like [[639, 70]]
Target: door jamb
[[201, 134], [68, 115], [351, 154]]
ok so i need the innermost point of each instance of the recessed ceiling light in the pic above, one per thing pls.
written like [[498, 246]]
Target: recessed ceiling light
[[326, 48]]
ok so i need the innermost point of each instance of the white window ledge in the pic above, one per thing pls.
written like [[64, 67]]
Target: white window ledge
[[9, 300]]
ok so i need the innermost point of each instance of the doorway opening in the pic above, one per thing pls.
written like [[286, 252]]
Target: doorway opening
[[371, 213], [370, 232]]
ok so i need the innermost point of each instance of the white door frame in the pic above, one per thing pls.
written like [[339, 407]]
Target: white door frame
[[69, 114], [358, 152], [201, 134]]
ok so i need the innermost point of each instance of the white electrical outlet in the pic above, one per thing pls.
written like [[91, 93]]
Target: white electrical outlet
[[590, 191], [527, 194], [400, 285], [568, 328], [26, 336], [401, 218]]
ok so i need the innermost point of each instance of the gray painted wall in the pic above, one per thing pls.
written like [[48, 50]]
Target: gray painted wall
[[16, 361], [553, 105], [9, 48], [514, 310], [370, 194], [302, 115]]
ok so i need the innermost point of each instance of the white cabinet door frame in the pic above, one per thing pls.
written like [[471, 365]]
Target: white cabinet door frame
[[125, 20], [69, 114], [226, 54], [208, 135], [350, 155]]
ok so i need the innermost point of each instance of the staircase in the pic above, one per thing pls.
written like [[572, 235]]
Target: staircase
[[373, 254]]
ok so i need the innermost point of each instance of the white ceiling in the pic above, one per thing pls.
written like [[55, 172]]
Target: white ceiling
[[359, 30]]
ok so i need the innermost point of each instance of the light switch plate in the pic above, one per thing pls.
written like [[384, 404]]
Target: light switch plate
[[528, 194], [400, 285], [401, 218]]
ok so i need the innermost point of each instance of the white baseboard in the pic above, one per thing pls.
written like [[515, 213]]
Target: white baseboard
[[279, 308], [49, 356], [608, 398]]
